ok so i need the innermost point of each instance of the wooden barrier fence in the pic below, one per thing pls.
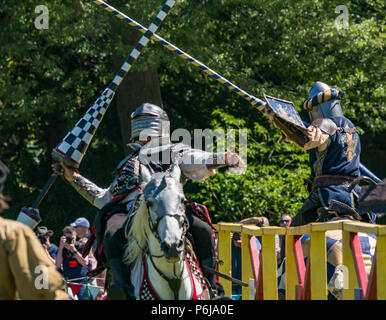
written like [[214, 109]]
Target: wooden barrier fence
[[303, 282]]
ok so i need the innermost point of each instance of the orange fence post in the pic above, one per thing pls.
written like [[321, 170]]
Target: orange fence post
[[300, 266], [246, 266], [358, 262]]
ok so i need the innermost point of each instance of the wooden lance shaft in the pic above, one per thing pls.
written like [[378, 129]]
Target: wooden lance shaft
[[46, 187]]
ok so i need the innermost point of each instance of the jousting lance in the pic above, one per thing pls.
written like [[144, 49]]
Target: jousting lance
[[73, 147], [251, 99], [259, 104]]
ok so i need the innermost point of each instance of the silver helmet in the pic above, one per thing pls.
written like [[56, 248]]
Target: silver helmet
[[323, 101], [149, 120]]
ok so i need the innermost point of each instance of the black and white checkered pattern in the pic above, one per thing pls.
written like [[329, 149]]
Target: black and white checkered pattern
[[145, 293], [195, 270], [74, 145]]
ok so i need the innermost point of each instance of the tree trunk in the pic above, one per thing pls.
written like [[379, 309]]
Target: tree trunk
[[137, 88]]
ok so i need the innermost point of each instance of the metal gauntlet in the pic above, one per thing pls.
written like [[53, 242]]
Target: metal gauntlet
[[87, 189]]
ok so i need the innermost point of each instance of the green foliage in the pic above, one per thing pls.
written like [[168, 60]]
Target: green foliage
[[48, 79], [272, 184]]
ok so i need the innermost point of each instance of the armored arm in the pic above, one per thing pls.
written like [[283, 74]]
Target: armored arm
[[316, 135], [316, 138], [197, 164], [127, 178], [91, 192]]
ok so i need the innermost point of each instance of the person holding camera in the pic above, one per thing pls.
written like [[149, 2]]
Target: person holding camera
[[70, 261], [44, 235], [82, 227]]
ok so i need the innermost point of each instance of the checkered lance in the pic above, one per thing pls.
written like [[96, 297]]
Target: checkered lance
[[251, 99], [74, 145]]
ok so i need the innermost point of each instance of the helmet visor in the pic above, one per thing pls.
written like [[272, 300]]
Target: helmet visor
[[327, 109]]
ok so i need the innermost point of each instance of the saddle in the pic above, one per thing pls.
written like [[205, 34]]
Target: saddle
[[371, 200], [97, 233], [198, 210], [372, 197], [337, 209]]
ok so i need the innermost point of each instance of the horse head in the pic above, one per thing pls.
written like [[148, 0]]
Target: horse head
[[165, 201]]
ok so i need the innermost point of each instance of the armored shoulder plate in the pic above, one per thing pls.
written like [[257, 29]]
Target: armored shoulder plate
[[133, 149], [326, 125]]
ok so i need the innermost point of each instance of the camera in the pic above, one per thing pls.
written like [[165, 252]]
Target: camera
[[68, 240], [42, 238]]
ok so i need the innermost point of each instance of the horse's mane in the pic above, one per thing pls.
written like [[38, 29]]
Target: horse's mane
[[137, 236]]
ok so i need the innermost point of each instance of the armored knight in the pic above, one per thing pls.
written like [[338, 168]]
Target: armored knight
[[334, 150], [150, 148]]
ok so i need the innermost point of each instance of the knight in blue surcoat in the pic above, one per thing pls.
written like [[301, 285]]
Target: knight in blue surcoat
[[334, 156]]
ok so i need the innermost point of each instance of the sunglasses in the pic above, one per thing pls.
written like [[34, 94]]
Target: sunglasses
[[284, 221]]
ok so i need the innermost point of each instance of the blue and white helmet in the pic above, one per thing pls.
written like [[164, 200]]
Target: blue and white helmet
[[149, 120], [323, 101]]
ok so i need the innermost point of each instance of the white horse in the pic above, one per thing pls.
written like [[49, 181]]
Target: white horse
[[162, 264]]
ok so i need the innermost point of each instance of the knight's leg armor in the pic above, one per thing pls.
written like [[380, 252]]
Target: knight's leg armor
[[114, 240], [204, 248], [308, 212]]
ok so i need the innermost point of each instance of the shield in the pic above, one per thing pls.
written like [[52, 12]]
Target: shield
[[285, 110], [285, 116]]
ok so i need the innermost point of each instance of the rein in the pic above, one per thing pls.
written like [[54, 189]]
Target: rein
[[153, 228], [174, 274], [174, 284]]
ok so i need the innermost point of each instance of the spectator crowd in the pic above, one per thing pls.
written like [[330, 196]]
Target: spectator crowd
[[70, 262]]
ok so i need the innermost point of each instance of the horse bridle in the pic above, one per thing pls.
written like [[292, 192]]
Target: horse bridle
[[175, 283], [154, 227]]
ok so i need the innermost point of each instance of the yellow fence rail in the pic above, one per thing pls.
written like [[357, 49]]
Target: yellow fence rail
[[303, 282]]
